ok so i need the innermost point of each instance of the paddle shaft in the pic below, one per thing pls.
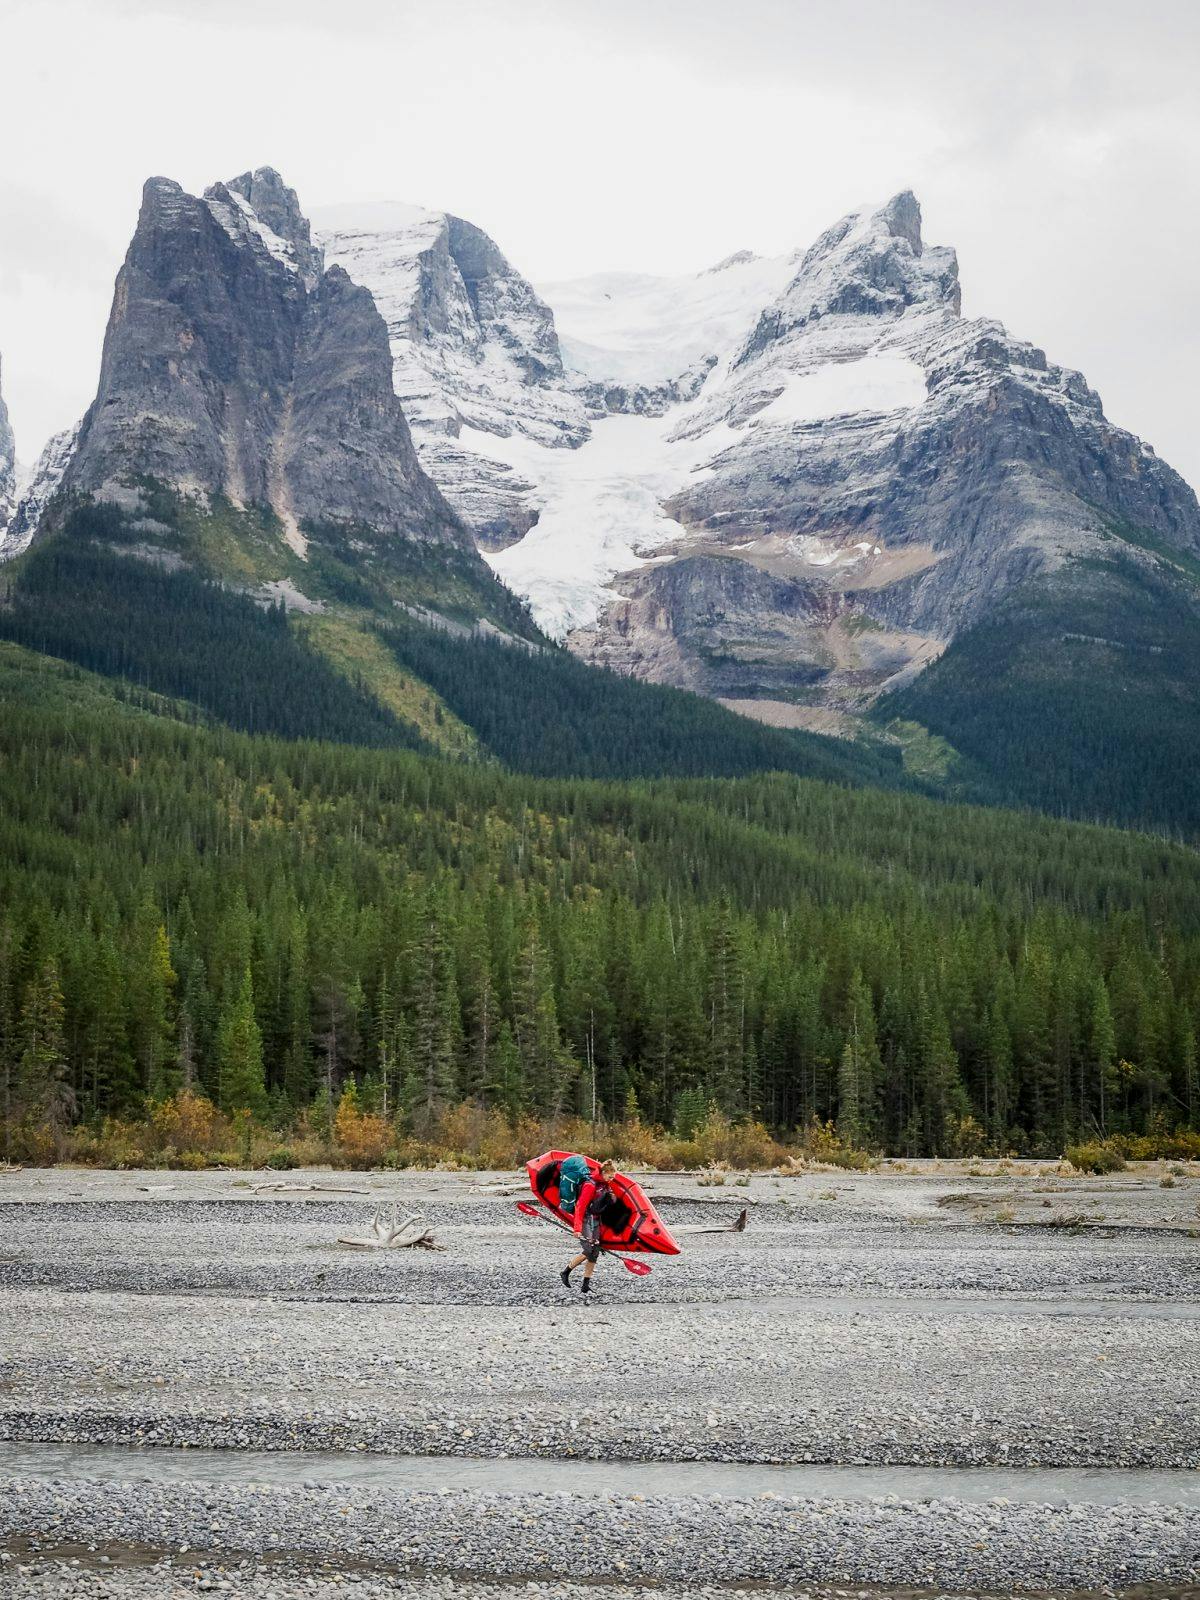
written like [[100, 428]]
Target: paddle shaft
[[640, 1269]]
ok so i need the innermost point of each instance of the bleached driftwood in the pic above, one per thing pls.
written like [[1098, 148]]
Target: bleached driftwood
[[390, 1234], [306, 1188], [737, 1226]]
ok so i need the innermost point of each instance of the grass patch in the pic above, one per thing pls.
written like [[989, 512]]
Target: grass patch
[[924, 754], [361, 656]]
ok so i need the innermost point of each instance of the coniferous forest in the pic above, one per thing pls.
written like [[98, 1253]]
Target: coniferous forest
[[274, 922]]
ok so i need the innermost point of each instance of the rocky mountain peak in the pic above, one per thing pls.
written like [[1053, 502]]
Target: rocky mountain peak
[[8, 467], [235, 366], [871, 263], [902, 217], [739, 258], [277, 207], [474, 349], [504, 302]]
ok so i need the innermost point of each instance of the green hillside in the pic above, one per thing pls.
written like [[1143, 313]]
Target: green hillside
[[270, 919], [192, 614], [1082, 696]]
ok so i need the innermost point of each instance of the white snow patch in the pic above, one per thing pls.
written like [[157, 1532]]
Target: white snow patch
[[630, 327], [876, 383], [817, 552], [599, 512], [372, 216], [276, 246]]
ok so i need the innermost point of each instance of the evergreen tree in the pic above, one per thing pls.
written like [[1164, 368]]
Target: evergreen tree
[[44, 1086], [151, 1007], [239, 1052]]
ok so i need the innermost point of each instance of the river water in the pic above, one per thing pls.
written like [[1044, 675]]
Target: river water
[[295, 1468]]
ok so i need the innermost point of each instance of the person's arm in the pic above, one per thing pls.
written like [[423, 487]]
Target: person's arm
[[586, 1192]]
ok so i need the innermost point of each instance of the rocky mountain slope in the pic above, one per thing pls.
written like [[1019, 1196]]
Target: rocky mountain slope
[[793, 482], [806, 486], [236, 365], [35, 493], [474, 351], [8, 465], [241, 510], [241, 521]]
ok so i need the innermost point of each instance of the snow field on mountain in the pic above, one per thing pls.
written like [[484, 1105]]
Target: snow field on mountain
[[599, 508], [877, 383], [631, 327]]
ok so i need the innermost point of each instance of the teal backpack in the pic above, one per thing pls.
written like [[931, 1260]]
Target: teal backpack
[[572, 1176]]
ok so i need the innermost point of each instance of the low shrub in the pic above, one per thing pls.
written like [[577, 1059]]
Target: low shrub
[[186, 1122], [188, 1161], [363, 1138], [824, 1145], [1095, 1158], [1161, 1144]]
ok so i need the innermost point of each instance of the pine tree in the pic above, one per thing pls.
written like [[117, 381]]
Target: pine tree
[[239, 1052], [1102, 1051], [860, 1068], [545, 1066], [506, 1085], [44, 1087], [726, 1014], [435, 1021], [152, 990]]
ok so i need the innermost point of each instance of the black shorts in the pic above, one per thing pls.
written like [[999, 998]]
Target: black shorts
[[589, 1237]]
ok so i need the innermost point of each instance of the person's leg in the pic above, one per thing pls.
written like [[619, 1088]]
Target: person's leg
[[566, 1272], [587, 1274]]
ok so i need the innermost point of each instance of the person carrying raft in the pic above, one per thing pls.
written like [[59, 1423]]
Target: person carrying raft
[[583, 1188]]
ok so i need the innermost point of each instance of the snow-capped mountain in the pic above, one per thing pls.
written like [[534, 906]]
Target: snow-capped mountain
[[785, 478], [788, 481], [8, 468], [35, 492], [637, 330], [473, 348], [237, 365]]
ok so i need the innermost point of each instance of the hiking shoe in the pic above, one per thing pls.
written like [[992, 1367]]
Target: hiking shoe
[[587, 1286], [565, 1275]]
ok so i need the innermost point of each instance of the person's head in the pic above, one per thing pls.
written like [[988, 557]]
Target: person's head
[[608, 1170]]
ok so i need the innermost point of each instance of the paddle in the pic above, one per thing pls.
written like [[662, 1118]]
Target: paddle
[[640, 1269]]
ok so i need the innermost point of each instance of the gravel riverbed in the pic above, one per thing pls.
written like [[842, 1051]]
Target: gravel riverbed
[[927, 1318]]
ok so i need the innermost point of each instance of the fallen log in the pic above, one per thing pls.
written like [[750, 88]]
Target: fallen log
[[305, 1188], [738, 1225]]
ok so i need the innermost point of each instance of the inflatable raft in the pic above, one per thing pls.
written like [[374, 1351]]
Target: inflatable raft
[[629, 1221]]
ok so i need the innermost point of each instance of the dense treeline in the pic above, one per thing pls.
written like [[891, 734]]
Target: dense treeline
[[169, 629], [545, 712], [1079, 699], [270, 921], [173, 632]]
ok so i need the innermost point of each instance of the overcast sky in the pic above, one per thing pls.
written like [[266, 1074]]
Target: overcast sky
[[1055, 144]]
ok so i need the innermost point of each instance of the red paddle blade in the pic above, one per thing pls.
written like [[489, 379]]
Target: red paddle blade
[[527, 1208], [640, 1269]]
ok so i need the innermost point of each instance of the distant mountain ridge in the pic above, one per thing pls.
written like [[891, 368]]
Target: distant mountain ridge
[[805, 486], [879, 465], [8, 464]]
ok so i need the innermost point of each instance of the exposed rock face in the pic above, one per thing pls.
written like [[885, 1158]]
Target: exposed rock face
[[994, 464], [234, 364], [37, 492], [474, 350], [8, 469], [865, 445]]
